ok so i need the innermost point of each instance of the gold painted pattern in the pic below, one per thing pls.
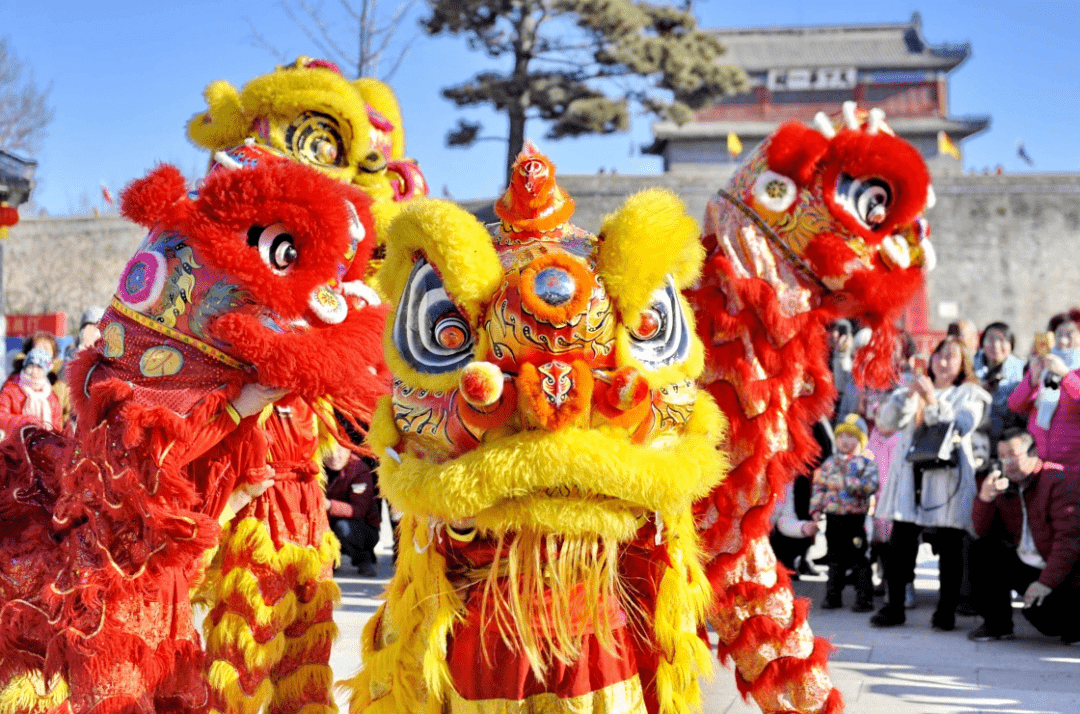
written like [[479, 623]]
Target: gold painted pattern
[[169, 332]]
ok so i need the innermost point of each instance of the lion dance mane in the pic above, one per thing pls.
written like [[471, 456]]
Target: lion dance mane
[[820, 223], [255, 278], [545, 440]]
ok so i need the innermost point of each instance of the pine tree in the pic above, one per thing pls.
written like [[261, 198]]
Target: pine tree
[[583, 65]]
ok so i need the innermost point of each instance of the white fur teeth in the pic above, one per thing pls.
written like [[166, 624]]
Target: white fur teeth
[[929, 255], [895, 252], [359, 289]]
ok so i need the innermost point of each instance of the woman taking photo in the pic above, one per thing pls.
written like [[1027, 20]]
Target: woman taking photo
[[1050, 395], [937, 494]]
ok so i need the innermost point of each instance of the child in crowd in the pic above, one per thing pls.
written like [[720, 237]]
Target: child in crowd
[[842, 488]]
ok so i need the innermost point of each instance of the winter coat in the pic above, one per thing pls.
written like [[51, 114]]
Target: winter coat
[[947, 493], [12, 401], [1051, 498], [1061, 442], [352, 493], [1003, 382]]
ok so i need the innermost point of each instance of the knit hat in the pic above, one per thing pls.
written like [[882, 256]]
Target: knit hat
[[855, 425], [39, 357], [91, 316]]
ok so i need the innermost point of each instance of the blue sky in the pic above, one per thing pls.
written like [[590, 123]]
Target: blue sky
[[127, 74]]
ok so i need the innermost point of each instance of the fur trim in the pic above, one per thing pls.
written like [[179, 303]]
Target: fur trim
[[223, 124], [29, 694], [153, 198], [485, 482], [404, 644], [649, 237], [453, 240], [681, 604]]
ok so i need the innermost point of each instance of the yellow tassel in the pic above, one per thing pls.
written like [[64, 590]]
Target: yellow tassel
[[28, 694], [681, 605], [404, 645], [224, 678], [233, 631]]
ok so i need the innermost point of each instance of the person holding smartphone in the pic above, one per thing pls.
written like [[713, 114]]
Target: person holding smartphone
[[1050, 396], [936, 495], [1027, 517]]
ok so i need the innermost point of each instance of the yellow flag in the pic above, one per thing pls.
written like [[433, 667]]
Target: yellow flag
[[945, 146], [734, 146]]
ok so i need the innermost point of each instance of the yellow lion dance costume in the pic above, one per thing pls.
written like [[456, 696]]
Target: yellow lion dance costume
[[350, 131], [545, 440]]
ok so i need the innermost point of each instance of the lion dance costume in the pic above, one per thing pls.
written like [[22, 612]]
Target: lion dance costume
[[273, 649], [350, 131], [254, 279], [820, 223], [545, 440]]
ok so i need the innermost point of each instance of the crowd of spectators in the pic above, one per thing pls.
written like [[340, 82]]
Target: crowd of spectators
[[975, 451]]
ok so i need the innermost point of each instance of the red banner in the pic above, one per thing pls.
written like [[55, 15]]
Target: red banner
[[26, 325]]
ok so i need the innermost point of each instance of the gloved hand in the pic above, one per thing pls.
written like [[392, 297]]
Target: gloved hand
[[247, 493], [254, 397]]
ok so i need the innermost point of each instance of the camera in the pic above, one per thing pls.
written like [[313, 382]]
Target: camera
[[1051, 381], [995, 465]]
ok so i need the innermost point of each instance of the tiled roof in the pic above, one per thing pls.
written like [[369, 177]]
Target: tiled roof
[[898, 46], [955, 127]]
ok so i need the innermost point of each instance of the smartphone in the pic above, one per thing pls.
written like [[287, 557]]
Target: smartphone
[[919, 364], [1044, 342]]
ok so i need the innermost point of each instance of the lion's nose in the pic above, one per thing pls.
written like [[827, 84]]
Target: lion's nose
[[554, 285]]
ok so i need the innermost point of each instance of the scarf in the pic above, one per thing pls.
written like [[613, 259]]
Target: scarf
[[37, 393], [1046, 403]]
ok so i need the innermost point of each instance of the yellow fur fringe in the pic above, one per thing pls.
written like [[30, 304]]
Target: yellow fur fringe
[[250, 539], [404, 644], [650, 237], [681, 606], [490, 482], [28, 694]]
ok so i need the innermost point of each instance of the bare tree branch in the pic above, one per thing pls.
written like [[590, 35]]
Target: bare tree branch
[[24, 109], [364, 27]]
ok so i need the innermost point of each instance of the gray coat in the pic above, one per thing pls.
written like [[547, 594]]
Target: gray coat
[[947, 494]]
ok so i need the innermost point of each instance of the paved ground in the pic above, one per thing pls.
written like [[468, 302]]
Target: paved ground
[[904, 670]]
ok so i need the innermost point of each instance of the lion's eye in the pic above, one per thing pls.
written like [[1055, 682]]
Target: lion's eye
[[866, 199], [662, 336], [316, 138], [276, 246], [429, 331], [650, 324]]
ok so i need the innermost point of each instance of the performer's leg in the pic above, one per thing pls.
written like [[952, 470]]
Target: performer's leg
[[950, 577], [251, 605], [302, 677]]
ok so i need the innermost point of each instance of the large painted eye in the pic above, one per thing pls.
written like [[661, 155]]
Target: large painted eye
[[315, 138], [662, 336], [430, 333], [866, 199], [276, 246]]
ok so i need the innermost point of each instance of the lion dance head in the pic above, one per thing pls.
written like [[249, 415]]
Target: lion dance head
[[256, 276], [544, 426], [836, 209], [309, 112]]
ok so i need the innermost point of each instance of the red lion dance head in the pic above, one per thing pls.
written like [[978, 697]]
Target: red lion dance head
[[839, 208]]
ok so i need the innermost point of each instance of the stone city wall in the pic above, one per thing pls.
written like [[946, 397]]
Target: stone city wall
[[1007, 246]]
